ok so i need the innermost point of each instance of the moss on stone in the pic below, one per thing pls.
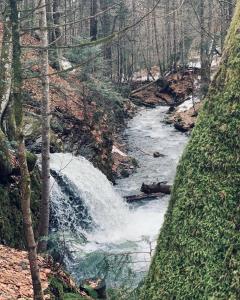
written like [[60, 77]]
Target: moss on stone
[[60, 291], [11, 225], [198, 250], [56, 288]]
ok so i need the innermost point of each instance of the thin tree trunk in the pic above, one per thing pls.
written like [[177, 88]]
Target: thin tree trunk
[[57, 33], [25, 176], [93, 21], [157, 43], [5, 64], [44, 209], [205, 73], [106, 30]]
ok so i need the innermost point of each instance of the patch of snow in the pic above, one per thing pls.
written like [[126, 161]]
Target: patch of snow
[[188, 104], [195, 64], [116, 150], [142, 75], [65, 64]]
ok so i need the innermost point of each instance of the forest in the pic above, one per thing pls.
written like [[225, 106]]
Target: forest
[[119, 149]]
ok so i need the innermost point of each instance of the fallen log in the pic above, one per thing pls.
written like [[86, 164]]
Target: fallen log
[[135, 198], [142, 103], [160, 187], [142, 88], [161, 82]]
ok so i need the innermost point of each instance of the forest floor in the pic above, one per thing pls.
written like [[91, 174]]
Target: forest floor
[[15, 278]]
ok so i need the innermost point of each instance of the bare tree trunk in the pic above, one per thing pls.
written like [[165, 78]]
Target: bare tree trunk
[[44, 209], [106, 30], [93, 21], [205, 68], [174, 64], [157, 43], [25, 176], [57, 33], [168, 34], [5, 64]]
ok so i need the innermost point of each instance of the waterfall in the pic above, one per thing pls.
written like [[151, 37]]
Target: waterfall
[[94, 219], [83, 200]]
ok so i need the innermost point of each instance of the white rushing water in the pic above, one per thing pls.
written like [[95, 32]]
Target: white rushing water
[[114, 221], [104, 205], [85, 202]]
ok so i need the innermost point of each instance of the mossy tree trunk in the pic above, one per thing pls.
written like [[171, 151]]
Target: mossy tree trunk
[[25, 176], [198, 252], [5, 157]]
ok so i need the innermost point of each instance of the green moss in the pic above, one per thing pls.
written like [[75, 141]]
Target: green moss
[[198, 250], [60, 291], [71, 296], [11, 226], [5, 158], [31, 160], [56, 288], [91, 292]]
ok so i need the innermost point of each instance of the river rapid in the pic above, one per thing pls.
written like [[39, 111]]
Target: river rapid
[[110, 238]]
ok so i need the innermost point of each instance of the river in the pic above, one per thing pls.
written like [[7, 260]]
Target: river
[[119, 239]]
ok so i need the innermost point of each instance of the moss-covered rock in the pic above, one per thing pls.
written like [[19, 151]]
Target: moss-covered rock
[[198, 250], [11, 225], [59, 290]]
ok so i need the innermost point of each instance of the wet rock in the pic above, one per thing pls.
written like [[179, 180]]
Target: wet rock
[[180, 127], [158, 154], [125, 173], [171, 109], [195, 114]]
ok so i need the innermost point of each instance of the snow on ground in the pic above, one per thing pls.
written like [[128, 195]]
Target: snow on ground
[[116, 150], [65, 64], [188, 104], [142, 75]]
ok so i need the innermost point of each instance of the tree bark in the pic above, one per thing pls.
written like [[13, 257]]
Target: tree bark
[[5, 64], [93, 21], [205, 63], [106, 31], [44, 208], [25, 176]]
